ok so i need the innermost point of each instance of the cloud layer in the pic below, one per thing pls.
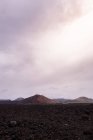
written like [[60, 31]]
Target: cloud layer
[[46, 47]]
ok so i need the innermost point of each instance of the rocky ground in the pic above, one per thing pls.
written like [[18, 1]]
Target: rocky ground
[[46, 122]]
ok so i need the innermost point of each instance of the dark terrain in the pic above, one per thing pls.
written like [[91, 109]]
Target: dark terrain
[[46, 122]]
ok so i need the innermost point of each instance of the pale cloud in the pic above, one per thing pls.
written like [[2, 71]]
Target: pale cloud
[[43, 44]]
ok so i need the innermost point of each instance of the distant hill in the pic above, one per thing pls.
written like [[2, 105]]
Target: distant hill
[[83, 100], [38, 99], [19, 99], [77, 100], [60, 100]]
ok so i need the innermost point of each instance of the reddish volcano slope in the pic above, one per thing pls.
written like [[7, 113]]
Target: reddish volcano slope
[[38, 99]]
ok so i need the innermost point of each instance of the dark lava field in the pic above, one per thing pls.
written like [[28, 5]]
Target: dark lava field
[[46, 122]]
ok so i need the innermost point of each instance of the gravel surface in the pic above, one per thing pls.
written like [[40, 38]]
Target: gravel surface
[[46, 122]]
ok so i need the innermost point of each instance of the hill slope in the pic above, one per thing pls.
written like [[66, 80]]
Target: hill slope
[[19, 99], [83, 100], [77, 100], [38, 99]]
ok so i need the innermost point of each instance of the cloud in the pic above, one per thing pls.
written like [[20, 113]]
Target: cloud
[[39, 42], [16, 16]]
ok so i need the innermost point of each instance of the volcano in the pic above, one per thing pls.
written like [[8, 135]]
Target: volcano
[[38, 99]]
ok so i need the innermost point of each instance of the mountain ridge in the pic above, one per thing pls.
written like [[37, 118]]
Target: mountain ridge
[[41, 99]]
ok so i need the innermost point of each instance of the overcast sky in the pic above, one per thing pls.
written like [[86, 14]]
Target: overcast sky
[[46, 47]]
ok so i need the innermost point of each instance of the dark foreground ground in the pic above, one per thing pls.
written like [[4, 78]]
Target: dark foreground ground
[[46, 122]]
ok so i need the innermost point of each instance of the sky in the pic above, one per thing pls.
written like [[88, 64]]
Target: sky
[[46, 47]]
